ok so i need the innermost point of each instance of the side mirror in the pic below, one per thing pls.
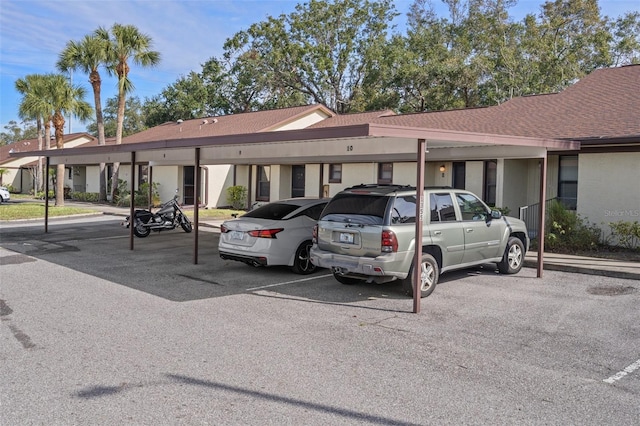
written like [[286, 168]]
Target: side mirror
[[496, 214]]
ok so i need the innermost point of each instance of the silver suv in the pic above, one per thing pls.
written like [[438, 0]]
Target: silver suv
[[367, 232]]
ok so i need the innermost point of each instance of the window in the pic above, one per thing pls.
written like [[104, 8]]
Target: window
[[490, 179], [472, 208], [335, 173], [314, 211], [404, 210], [263, 185], [441, 208], [568, 181], [143, 174], [385, 173]]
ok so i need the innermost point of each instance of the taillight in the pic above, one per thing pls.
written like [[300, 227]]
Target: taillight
[[389, 242], [314, 235], [265, 233], [224, 229]]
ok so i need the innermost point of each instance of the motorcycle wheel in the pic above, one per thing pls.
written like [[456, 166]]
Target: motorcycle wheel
[[140, 230], [186, 225]]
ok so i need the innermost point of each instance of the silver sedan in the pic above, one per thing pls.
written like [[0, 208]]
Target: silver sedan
[[278, 233]]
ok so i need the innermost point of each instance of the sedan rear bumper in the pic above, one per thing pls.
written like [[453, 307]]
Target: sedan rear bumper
[[249, 260]]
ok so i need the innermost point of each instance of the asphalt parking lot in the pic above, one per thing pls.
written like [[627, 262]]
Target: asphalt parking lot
[[94, 333]]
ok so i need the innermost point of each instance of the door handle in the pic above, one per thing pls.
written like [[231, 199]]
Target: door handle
[[469, 230], [437, 232]]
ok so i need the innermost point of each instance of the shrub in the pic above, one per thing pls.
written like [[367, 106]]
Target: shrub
[[567, 231], [91, 197], [626, 233], [237, 196], [121, 196], [12, 189], [142, 195], [504, 210], [40, 194]]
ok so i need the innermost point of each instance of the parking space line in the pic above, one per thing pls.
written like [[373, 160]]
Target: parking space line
[[620, 374], [289, 282]]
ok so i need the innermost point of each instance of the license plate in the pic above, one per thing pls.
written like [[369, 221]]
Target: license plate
[[236, 235], [346, 238]]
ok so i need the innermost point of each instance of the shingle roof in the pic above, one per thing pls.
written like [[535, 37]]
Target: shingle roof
[[604, 104], [27, 145], [351, 119], [234, 124]]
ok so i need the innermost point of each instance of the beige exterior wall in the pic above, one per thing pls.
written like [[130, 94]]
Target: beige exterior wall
[[352, 174], [474, 177], [312, 180], [169, 178], [403, 174], [220, 177], [609, 188]]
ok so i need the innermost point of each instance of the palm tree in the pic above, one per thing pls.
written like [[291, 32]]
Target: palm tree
[[87, 56], [59, 97], [125, 42], [33, 85]]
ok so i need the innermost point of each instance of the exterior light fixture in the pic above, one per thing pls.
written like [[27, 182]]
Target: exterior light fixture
[[442, 169]]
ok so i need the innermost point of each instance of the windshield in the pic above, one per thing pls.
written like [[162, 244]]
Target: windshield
[[363, 209], [274, 211]]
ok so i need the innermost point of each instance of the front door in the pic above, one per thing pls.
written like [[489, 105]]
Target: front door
[[297, 181]]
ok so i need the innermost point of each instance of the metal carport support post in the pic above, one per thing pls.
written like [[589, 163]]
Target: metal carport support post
[[417, 257], [541, 218], [196, 206], [132, 199], [46, 196]]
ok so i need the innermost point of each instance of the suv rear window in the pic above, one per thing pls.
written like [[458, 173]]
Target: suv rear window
[[366, 209], [275, 211]]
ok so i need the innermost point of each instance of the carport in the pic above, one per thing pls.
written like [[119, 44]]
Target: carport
[[344, 144]]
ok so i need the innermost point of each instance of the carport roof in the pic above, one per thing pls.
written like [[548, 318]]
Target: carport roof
[[364, 142]]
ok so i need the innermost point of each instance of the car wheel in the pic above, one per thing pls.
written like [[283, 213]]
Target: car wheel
[[302, 261], [429, 274], [140, 230], [345, 280], [513, 257]]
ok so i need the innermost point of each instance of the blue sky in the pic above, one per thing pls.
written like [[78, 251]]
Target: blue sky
[[186, 33]]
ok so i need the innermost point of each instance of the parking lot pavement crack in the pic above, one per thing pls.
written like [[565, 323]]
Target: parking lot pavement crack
[[379, 323], [199, 279]]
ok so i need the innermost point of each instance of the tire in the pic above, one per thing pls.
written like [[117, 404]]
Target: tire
[[513, 257], [430, 274], [185, 224], [302, 261], [345, 280], [139, 230]]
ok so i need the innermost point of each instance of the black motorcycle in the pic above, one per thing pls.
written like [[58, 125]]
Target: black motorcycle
[[168, 216]]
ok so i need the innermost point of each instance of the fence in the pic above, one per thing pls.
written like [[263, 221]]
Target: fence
[[531, 214]]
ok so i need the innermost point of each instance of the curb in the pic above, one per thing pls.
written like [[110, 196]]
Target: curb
[[552, 266]]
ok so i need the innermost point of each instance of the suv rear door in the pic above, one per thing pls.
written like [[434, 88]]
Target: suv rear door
[[352, 224], [445, 229]]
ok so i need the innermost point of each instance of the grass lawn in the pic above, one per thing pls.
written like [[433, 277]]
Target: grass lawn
[[204, 214], [35, 210]]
